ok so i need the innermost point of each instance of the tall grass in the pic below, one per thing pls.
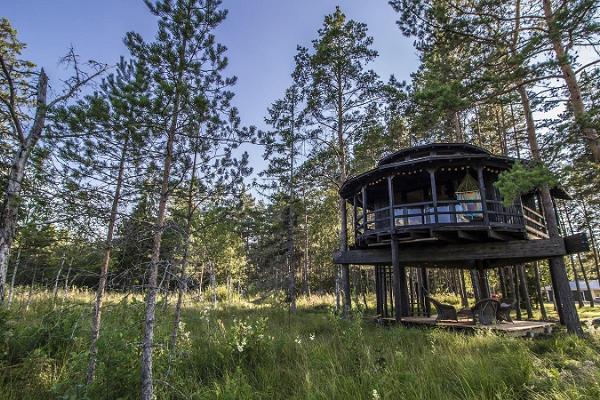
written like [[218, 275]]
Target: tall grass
[[260, 351]]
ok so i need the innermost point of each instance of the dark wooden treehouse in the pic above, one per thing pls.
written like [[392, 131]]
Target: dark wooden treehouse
[[436, 206]]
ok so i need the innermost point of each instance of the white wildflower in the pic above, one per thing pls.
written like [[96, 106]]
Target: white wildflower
[[298, 340], [376, 395], [311, 336]]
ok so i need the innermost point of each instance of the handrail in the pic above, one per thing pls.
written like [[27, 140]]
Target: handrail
[[387, 219]]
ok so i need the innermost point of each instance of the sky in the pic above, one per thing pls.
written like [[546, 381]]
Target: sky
[[261, 37]]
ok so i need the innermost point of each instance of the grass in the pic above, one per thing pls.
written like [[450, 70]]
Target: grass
[[258, 351]]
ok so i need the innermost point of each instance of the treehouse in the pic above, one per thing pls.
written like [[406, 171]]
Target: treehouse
[[437, 206]]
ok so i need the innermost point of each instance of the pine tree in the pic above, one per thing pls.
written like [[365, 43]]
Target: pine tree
[[282, 150], [342, 98], [186, 65]]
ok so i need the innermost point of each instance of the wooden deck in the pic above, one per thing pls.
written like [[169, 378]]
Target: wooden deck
[[518, 328]]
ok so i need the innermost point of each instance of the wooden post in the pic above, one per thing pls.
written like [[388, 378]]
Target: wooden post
[[399, 284], [502, 279], [516, 291], [378, 287], [525, 290], [463, 289], [425, 283], [433, 194], [475, 282], [364, 204], [354, 216], [391, 203], [486, 218], [538, 287], [484, 287]]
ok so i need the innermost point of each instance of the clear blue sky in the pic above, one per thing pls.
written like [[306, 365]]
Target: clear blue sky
[[261, 36]]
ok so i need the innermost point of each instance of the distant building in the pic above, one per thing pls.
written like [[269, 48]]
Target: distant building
[[594, 287]]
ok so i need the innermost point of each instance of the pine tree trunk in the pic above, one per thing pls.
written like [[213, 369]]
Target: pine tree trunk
[[525, 290], [182, 281], [558, 272], [589, 133], [580, 296], [12, 191], [592, 239], [464, 298], [108, 245], [213, 284], [538, 287], [517, 291], [148, 341], [583, 271], [305, 272], [342, 160]]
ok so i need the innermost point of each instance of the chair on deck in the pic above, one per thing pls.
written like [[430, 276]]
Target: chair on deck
[[485, 311], [445, 312], [504, 309]]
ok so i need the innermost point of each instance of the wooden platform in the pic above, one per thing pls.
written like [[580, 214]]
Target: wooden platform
[[518, 328]]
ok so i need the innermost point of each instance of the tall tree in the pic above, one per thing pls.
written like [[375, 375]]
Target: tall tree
[[341, 99], [107, 138], [574, 23], [282, 150], [186, 65]]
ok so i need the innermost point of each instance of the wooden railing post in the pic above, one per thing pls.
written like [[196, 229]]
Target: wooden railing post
[[364, 204], [355, 215], [486, 217], [433, 194], [391, 203]]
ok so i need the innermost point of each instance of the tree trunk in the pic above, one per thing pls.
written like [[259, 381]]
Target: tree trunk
[[14, 277], [589, 133], [538, 287], [475, 284], [558, 272], [592, 239], [29, 295], [463, 289], [108, 245], [12, 191], [66, 286], [213, 283], [306, 261], [514, 285], [182, 281], [148, 341], [583, 271], [55, 291], [524, 290]]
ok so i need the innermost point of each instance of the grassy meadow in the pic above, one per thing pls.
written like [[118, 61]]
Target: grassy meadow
[[243, 350]]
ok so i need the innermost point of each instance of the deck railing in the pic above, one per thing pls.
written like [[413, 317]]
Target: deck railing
[[448, 212]]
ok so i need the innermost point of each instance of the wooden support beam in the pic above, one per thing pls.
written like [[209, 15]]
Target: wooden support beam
[[433, 194], [397, 280], [458, 255], [486, 217], [391, 203]]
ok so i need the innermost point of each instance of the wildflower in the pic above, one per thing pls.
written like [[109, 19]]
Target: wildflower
[[376, 395], [298, 340], [311, 336]]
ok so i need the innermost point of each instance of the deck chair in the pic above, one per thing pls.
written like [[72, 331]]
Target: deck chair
[[445, 312], [485, 311], [504, 309]]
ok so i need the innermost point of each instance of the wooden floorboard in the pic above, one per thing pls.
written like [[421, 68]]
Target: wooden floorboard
[[518, 328]]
